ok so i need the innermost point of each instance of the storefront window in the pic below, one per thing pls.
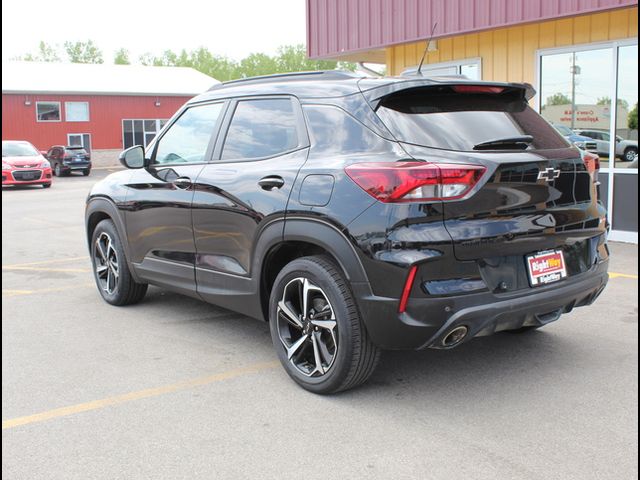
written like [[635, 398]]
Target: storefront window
[[577, 94]]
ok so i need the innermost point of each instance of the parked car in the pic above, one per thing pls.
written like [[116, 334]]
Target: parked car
[[65, 160], [625, 149], [580, 141], [22, 164], [356, 214]]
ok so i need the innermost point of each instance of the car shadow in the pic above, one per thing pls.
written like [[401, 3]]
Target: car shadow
[[479, 367]]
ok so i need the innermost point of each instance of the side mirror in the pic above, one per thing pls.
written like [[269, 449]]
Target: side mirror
[[132, 157]]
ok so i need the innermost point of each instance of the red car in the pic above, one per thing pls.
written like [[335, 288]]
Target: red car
[[22, 164]]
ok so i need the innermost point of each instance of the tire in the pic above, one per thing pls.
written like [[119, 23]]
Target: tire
[[331, 352], [46, 185], [110, 268], [630, 154], [86, 172], [57, 171]]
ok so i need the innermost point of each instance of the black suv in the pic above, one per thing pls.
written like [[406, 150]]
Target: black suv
[[356, 214], [65, 160]]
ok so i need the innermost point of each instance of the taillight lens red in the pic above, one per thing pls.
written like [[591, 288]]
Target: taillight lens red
[[408, 284], [477, 89], [592, 161], [415, 181]]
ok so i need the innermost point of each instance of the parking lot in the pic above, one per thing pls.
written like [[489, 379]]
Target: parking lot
[[175, 388]]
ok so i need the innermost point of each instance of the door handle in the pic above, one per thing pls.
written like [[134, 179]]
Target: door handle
[[182, 182], [271, 182]]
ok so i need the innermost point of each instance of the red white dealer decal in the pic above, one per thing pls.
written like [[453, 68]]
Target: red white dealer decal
[[546, 267]]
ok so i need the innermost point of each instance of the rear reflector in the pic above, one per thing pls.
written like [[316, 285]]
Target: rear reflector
[[407, 289], [415, 181]]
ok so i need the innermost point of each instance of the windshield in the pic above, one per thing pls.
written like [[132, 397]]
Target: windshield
[[564, 130], [18, 149], [439, 117]]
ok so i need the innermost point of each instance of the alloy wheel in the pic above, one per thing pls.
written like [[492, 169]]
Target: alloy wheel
[[106, 263], [307, 327]]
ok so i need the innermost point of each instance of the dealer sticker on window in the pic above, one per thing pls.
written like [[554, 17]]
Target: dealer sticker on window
[[546, 267]]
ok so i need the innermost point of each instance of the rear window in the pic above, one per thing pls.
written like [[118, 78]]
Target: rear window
[[76, 151], [439, 117]]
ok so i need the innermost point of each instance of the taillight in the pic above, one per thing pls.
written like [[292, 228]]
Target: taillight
[[415, 181], [477, 89], [592, 162]]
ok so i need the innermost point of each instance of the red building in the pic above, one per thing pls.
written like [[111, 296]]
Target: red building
[[102, 107]]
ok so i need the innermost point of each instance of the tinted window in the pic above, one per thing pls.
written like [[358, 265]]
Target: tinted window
[[334, 131], [187, 140], [261, 128], [441, 118], [76, 151]]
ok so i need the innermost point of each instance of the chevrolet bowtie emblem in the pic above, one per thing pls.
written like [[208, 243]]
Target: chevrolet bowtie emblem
[[548, 174]]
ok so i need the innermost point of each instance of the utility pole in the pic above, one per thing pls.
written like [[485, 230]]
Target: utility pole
[[575, 70]]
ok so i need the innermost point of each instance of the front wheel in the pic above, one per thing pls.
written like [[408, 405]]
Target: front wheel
[[86, 172], [110, 269], [316, 328], [630, 154]]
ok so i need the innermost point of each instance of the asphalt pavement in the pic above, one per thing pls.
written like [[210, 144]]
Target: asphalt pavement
[[175, 388]]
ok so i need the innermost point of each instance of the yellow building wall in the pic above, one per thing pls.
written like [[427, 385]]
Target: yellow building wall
[[509, 54]]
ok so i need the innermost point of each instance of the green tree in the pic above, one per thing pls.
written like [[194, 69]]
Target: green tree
[[258, 64], [558, 99], [607, 101], [122, 57], [632, 119], [83, 52], [45, 53]]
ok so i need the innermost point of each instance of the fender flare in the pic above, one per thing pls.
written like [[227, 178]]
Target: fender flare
[[315, 232], [106, 206]]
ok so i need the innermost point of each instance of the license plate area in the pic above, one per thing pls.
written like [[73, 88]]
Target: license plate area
[[546, 267]]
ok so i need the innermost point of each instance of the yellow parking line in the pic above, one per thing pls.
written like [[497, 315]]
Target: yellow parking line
[[128, 397], [16, 293], [47, 262], [622, 275]]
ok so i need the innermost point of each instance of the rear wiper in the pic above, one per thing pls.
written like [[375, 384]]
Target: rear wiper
[[519, 143]]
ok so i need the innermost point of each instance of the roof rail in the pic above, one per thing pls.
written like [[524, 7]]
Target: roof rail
[[293, 76]]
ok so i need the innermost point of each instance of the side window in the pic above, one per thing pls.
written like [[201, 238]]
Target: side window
[[605, 136], [187, 140], [335, 132], [261, 128]]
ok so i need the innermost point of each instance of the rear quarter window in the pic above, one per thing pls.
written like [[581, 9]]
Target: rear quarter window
[[438, 117]]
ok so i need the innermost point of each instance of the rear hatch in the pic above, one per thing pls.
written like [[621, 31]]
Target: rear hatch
[[536, 193]]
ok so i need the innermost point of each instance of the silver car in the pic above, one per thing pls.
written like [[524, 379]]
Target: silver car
[[625, 149]]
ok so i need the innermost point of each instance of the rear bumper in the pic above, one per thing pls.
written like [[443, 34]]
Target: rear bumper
[[427, 321], [73, 167]]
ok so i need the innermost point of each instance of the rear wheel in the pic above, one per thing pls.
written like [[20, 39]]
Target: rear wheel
[[57, 171], [316, 328], [630, 154], [86, 172], [111, 272]]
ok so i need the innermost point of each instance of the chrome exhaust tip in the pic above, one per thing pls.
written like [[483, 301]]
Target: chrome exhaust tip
[[455, 336]]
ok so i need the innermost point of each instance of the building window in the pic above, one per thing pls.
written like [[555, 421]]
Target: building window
[[48, 111], [79, 140], [580, 96], [140, 131], [76, 111], [471, 68]]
